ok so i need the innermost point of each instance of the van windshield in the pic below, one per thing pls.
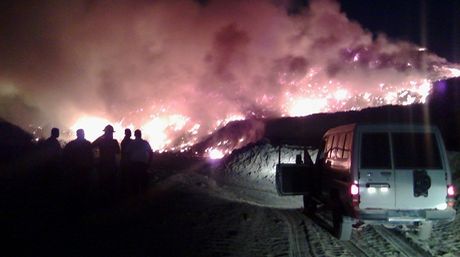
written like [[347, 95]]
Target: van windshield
[[415, 151]]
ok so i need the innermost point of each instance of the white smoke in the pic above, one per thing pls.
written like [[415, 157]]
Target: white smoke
[[134, 61]]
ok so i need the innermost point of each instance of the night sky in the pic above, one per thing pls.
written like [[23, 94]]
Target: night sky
[[430, 23]]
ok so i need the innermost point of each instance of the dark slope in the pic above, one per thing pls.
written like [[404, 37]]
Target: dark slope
[[14, 142]]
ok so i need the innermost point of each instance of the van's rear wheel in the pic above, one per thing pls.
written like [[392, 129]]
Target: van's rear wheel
[[342, 225], [424, 230]]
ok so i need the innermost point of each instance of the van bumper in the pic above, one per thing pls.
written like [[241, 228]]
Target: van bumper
[[375, 216]]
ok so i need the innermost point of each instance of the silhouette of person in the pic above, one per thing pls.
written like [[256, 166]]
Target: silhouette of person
[[298, 159], [51, 146], [124, 163], [78, 158], [140, 156], [50, 153], [108, 151]]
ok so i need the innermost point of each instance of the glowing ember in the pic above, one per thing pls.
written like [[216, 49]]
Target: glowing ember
[[215, 154], [229, 118]]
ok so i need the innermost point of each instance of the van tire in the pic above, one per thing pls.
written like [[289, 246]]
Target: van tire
[[424, 230], [343, 225], [309, 205]]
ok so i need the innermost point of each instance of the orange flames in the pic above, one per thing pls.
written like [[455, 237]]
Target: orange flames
[[177, 132]]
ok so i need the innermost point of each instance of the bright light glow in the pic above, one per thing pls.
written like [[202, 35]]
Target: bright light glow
[[371, 190], [451, 190], [94, 126], [341, 94], [356, 58], [454, 72], [215, 154], [229, 118], [234, 117], [424, 90], [391, 97], [384, 189], [307, 106], [194, 129], [157, 130], [441, 206], [354, 189]]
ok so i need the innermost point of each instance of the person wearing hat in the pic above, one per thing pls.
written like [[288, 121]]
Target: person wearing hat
[[109, 149]]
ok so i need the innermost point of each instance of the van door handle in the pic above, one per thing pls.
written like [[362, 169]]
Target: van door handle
[[385, 173], [378, 185]]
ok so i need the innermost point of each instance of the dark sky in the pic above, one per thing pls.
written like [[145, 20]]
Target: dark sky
[[430, 23]]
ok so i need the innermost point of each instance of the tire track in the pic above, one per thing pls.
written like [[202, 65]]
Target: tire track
[[297, 238], [353, 248], [401, 243], [319, 241]]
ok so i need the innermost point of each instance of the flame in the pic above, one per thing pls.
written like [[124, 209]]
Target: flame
[[159, 129], [214, 154], [181, 81], [177, 132], [306, 106], [454, 72], [94, 126]]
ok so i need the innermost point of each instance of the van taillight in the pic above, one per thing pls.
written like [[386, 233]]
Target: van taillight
[[354, 189], [450, 191], [450, 195]]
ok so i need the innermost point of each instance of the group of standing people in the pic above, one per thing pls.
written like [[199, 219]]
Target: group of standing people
[[136, 157], [80, 157]]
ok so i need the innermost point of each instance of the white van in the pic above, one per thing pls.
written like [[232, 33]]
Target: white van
[[391, 174]]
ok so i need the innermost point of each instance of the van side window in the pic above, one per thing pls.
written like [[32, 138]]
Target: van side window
[[416, 151], [339, 146], [329, 144], [334, 147], [347, 146], [375, 151]]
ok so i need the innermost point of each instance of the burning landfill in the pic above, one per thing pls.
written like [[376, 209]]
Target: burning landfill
[[127, 64]]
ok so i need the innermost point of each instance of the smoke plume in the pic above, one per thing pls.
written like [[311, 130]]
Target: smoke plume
[[196, 65]]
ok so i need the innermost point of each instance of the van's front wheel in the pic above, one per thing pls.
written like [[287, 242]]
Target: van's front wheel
[[309, 205]]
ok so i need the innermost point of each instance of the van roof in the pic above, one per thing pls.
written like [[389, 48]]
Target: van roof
[[341, 129], [382, 127]]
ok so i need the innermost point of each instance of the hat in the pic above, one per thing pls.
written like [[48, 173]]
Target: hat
[[108, 128]]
